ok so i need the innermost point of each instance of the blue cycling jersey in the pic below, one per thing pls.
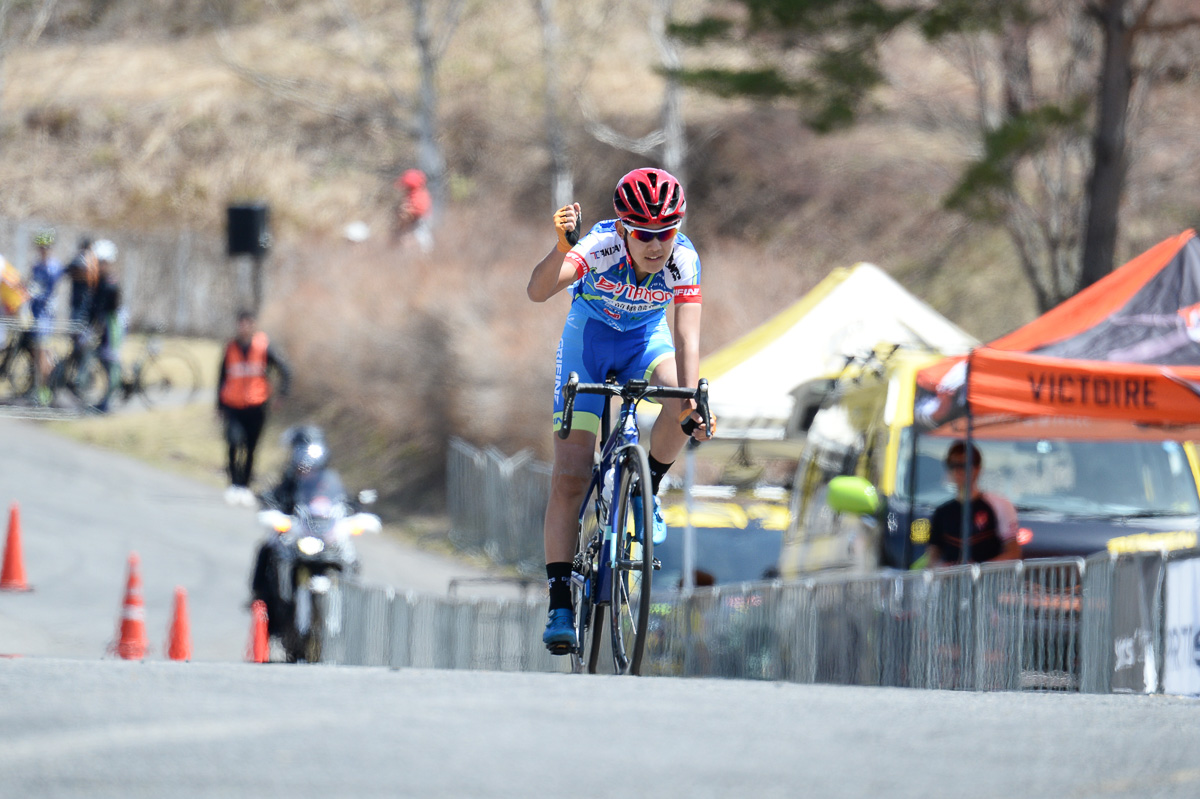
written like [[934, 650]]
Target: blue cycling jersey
[[607, 289]]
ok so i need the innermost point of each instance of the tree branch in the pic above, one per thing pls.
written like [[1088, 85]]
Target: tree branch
[[646, 145], [1169, 27]]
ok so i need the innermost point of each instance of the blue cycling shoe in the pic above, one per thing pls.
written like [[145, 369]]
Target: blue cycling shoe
[[559, 637], [659, 533]]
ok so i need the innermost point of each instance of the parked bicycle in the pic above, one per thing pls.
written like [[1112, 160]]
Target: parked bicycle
[[612, 571], [158, 374]]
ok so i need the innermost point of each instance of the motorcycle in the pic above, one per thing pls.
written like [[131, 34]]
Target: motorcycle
[[309, 549]]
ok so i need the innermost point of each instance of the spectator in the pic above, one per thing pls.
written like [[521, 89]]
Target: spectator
[[993, 531], [415, 209], [243, 391], [106, 317], [43, 280], [84, 272]]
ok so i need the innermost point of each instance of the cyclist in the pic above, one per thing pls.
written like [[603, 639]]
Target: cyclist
[[623, 274], [43, 280], [106, 318]]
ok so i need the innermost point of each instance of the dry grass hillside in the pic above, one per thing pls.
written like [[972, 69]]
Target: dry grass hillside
[[155, 114]]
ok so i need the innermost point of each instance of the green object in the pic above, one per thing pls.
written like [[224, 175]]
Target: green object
[[849, 494]]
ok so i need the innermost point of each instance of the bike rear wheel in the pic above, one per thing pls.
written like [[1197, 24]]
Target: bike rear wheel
[[583, 583], [629, 610]]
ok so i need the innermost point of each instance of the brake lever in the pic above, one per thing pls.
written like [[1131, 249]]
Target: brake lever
[[568, 404]]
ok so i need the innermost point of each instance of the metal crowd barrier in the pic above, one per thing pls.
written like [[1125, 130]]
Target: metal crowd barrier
[[370, 625], [497, 504], [1092, 625]]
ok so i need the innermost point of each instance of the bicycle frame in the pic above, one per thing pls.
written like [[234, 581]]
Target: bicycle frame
[[626, 436], [600, 564]]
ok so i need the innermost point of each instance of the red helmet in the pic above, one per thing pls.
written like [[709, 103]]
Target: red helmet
[[411, 179], [650, 197]]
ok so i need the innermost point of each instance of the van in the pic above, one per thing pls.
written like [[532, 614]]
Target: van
[[866, 484]]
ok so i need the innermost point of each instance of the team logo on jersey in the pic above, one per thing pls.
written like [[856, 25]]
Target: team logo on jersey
[[633, 293], [606, 251]]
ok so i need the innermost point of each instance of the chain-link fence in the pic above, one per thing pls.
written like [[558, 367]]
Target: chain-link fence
[[1093, 625], [180, 282], [497, 504]]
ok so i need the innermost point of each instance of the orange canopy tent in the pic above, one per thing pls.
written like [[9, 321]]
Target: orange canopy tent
[[1119, 360]]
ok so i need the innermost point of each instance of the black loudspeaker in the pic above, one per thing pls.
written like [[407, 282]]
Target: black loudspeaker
[[247, 230]]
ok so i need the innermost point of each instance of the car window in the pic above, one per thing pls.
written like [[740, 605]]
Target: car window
[[1072, 478]]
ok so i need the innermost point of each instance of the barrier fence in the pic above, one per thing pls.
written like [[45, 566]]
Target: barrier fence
[[496, 504], [1097, 625]]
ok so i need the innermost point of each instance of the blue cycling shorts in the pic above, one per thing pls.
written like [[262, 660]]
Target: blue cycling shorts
[[593, 349]]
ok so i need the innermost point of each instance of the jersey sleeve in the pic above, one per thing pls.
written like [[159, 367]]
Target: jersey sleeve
[[684, 273], [1006, 516], [576, 259]]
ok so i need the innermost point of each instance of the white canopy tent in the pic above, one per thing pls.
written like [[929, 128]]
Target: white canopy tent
[[758, 382]]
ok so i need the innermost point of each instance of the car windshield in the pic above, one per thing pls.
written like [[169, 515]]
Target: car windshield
[[1067, 477]]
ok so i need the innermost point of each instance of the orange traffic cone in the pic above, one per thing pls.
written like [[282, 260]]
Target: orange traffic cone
[[180, 636], [260, 647], [132, 643], [12, 577]]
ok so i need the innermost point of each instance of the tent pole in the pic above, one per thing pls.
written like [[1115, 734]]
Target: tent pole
[[689, 532], [968, 469], [912, 496]]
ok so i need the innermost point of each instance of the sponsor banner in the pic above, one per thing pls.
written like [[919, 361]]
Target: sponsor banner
[[1181, 669], [1136, 584]]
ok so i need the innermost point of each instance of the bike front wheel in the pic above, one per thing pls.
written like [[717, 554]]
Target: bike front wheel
[[87, 379], [21, 374], [629, 610]]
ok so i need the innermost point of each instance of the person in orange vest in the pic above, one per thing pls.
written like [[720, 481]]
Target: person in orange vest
[[243, 392]]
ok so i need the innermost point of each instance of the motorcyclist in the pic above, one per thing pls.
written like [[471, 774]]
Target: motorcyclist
[[306, 475]]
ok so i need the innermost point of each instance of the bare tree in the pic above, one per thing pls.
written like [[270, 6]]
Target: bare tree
[[1123, 24], [562, 189], [669, 141]]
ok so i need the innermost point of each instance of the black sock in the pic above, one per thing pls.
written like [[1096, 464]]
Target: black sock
[[558, 580], [657, 472]]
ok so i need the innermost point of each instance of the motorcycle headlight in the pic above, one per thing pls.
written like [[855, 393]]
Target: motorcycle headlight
[[310, 545]]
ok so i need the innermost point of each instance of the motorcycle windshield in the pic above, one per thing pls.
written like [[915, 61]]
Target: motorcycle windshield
[[325, 484]]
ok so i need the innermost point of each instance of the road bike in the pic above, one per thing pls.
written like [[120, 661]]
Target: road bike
[[159, 374], [612, 571]]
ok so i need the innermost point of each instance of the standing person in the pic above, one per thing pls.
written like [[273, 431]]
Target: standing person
[[243, 391], [415, 208], [623, 275], [106, 318], [993, 517], [43, 280], [84, 272]]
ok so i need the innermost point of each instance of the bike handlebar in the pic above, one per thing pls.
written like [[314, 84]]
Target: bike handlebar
[[632, 391]]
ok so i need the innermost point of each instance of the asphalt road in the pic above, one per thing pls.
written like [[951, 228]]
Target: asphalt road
[[129, 730], [84, 510]]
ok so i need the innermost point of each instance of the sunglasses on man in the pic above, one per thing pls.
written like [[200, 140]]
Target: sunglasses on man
[[645, 235]]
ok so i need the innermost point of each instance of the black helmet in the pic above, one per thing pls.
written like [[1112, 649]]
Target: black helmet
[[308, 450]]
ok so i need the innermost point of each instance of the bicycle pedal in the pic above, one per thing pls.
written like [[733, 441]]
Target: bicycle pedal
[[560, 649], [657, 564]]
